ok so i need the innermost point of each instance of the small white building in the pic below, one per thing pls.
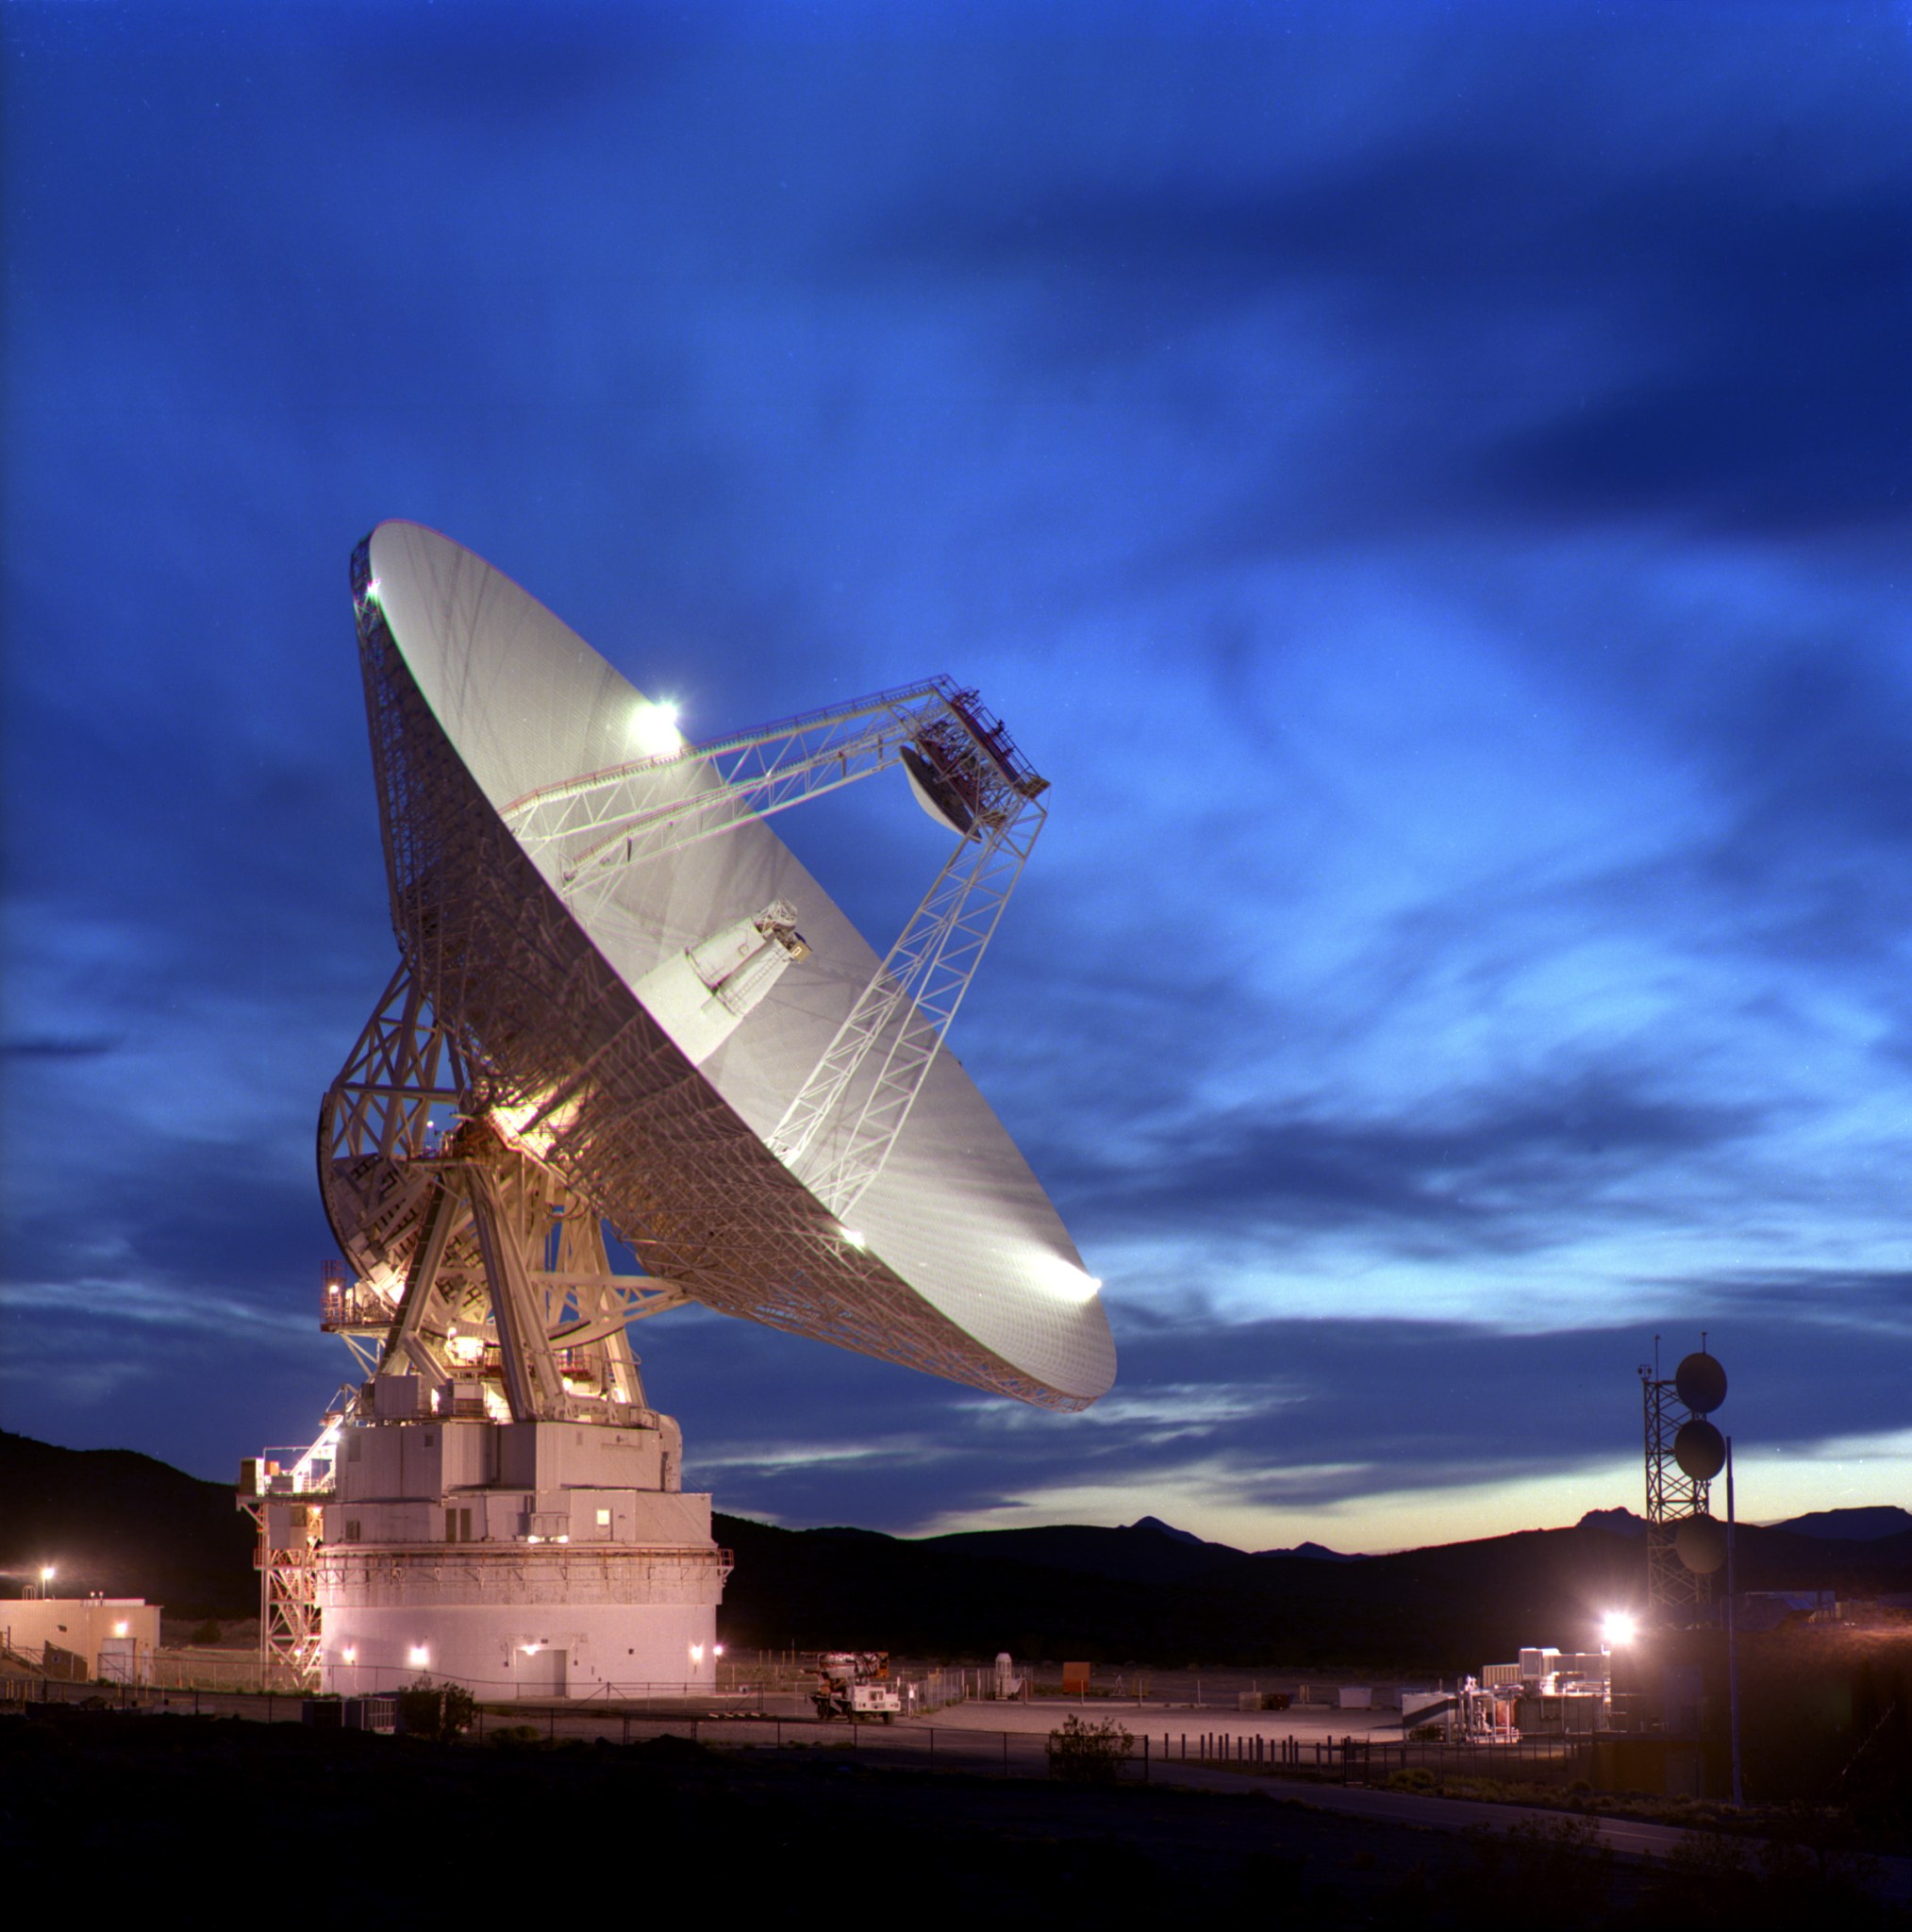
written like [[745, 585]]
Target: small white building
[[110, 1637]]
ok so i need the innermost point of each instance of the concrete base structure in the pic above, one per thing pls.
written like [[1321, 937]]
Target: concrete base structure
[[605, 1622], [524, 1560]]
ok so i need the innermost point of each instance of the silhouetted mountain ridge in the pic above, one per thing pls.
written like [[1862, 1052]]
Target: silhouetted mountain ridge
[[124, 1524], [127, 1524], [1161, 1529], [1866, 1524]]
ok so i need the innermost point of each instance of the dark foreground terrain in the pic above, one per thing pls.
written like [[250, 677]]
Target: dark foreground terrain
[[106, 1809]]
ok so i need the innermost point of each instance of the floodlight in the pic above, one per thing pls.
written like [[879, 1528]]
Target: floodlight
[[653, 731]]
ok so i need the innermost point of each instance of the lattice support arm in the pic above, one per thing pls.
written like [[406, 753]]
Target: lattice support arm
[[605, 822], [637, 812], [838, 1131]]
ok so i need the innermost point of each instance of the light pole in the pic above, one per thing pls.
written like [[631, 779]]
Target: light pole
[[1732, 1633]]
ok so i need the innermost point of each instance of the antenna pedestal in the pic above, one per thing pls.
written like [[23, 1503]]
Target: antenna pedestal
[[497, 1506]]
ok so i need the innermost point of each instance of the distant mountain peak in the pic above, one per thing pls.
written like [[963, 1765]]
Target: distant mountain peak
[[1614, 1522], [1161, 1529], [1315, 1552]]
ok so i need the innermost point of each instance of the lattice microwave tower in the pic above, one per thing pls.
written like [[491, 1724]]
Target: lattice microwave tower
[[1685, 1450]]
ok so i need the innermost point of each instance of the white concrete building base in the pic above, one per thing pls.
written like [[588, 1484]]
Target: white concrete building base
[[525, 1561], [503, 1655]]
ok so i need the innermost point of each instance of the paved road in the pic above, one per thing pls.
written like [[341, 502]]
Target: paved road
[[1629, 1838]]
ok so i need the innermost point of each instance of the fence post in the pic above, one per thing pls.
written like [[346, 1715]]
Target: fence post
[[1145, 1758]]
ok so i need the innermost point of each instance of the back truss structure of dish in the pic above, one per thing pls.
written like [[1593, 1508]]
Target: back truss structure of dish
[[618, 980]]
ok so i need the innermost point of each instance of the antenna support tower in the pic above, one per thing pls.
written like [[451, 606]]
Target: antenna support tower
[[1675, 1594]]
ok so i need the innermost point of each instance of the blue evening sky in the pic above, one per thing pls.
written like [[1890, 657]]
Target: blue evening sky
[[1428, 485]]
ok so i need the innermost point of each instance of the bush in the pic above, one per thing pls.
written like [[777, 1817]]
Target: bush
[[438, 1712], [1084, 1754], [1546, 1872]]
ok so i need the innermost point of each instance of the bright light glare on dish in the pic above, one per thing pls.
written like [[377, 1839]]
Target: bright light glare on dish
[[1618, 1629], [654, 732], [1069, 1283], [855, 1238]]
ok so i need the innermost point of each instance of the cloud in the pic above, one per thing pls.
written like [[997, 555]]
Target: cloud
[[1422, 488], [1283, 1415], [1508, 1171], [1559, 289], [51, 1047]]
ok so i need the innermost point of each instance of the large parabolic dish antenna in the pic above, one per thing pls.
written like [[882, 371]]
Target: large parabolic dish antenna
[[661, 1006]]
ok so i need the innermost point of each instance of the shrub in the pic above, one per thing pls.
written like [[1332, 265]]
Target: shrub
[[1555, 1871], [1085, 1753], [439, 1711]]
